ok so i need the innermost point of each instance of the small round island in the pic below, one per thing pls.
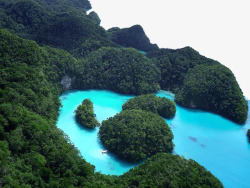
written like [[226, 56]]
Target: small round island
[[85, 114], [135, 135]]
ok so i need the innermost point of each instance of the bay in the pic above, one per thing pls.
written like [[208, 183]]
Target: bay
[[216, 143]]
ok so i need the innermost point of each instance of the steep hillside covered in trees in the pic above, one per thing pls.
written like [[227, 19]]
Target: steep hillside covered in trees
[[200, 82], [33, 151], [76, 53], [132, 37], [149, 102]]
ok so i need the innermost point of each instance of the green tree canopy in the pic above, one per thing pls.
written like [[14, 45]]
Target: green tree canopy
[[166, 170], [135, 135], [200, 82], [122, 70], [149, 102], [94, 16], [213, 88], [132, 37], [85, 114]]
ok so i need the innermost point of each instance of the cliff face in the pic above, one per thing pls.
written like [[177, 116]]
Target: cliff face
[[66, 82], [132, 37]]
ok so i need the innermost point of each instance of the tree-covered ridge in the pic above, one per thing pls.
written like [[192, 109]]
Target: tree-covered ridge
[[94, 17], [34, 151], [174, 65], [213, 88], [135, 135], [85, 115], [200, 82], [59, 64], [62, 24], [149, 102], [22, 77], [132, 37], [82, 5], [167, 170], [92, 44], [121, 70]]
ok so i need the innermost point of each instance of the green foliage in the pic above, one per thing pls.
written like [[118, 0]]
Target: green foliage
[[82, 5], [41, 154], [22, 77], [132, 37], [166, 170], [149, 102], [59, 23], [59, 64], [214, 88], [135, 135], [7, 22], [102, 181], [174, 65], [62, 24], [85, 114], [200, 82], [69, 30], [94, 16], [32, 150], [93, 44], [122, 70]]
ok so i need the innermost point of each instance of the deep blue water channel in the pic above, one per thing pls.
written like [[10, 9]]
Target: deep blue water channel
[[218, 144]]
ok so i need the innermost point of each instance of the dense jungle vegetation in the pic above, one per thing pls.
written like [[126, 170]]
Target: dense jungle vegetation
[[200, 82], [94, 16], [209, 87], [161, 171], [33, 151], [132, 37], [121, 70], [72, 45], [85, 115], [136, 134], [150, 102], [65, 25]]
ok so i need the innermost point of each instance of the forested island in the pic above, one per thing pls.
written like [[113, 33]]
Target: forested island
[[85, 115], [48, 47], [136, 134], [149, 102]]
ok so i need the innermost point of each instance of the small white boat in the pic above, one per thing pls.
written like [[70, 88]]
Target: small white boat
[[104, 151]]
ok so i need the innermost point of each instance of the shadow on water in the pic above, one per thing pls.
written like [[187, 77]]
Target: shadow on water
[[124, 163], [83, 128], [113, 156]]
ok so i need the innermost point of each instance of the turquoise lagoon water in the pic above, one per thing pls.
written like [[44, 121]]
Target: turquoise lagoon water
[[218, 144]]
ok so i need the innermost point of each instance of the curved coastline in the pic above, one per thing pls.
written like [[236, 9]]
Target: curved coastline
[[209, 149]]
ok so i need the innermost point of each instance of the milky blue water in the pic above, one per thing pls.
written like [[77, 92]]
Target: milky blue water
[[218, 144]]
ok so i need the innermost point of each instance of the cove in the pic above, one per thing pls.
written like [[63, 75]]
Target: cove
[[216, 143]]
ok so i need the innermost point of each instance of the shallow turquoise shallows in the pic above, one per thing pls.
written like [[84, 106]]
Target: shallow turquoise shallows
[[218, 144]]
